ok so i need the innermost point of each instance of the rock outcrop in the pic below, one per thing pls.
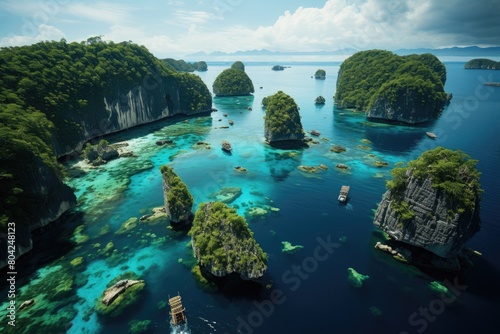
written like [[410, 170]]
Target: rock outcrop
[[232, 82], [119, 87], [224, 245], [178, 199], [392, 88], [282, 125], [422, 213], [115, 299], [482, 64], [50, 198]]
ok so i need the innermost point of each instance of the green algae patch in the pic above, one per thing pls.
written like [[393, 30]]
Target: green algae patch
[[78, 236], [375, 311], [289, 248], [129, 295], [439, 289], [201, 280], [127, 226], [76, 261], [355, 278], [138, 326]]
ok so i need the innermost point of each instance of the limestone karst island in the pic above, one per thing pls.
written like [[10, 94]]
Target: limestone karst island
[[321, 166]]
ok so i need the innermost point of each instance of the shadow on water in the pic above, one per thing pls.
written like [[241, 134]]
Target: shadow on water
[[282, 162], [50, 243]]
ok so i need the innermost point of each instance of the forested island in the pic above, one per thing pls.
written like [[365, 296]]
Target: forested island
[[433, 205], [224, 245], [392, 88], [55, 96], [183, 66], [233, 82], [482, 64], [282, 124]]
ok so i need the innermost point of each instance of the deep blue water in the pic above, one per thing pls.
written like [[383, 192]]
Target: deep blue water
[[305, 292]]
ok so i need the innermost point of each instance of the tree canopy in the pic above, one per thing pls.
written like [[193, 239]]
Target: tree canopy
[[282, 116], [48, 89], [238, 65], [183, 66], [223, 241], [482, 63], [368, 75], [453, 172], [179, 198], [232, 82], [320, 74]]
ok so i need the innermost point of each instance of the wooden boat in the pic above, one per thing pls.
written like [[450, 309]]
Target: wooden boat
[[431, 135], [344, 191], [226, 146], [177, 311]]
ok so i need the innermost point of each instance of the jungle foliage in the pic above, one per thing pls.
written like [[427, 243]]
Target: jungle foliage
[[232, 82], [368, 75], [223, 240]]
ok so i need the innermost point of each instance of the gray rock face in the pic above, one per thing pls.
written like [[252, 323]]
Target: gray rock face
[[407, 108], [431, 228], [50, 196], [155, 99], [181, 212]]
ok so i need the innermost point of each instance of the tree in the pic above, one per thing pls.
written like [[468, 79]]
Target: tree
[[232, 82], [238, 65]]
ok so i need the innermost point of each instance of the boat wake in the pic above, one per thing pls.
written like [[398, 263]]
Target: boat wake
[[180, 329]]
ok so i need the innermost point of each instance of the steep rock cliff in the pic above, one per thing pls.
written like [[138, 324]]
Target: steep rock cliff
[[224, 245], [178, 200], [282, 124], [427, 217], [391, 88], [48, 198], [406, 104]]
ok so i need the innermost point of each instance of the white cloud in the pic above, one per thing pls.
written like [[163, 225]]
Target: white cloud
[[45, 33], [193, 17], [100, 12]]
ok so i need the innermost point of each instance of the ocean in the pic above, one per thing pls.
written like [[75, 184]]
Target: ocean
[[304, 292]]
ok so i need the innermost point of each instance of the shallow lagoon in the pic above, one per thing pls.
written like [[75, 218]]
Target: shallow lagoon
[[307, 291]]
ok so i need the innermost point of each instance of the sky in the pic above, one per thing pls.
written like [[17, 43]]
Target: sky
[[175, 28]]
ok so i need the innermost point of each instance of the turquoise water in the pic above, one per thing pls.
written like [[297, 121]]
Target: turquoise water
[[304, 292]]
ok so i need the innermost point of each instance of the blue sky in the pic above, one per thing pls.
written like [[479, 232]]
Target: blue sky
[[174, 28]]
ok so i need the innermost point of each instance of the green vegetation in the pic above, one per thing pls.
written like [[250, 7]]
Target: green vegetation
[[320, 74], [179, 198], [49, 89], [355, 278], [183, 66], [481, 63], [223, 241], [238, 65], [138, 326], [320, 100], [100, 153], [289, 248], [282, 117], [452, 172], [369, 75], [232, 82]]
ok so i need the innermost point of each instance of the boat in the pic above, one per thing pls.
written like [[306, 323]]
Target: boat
[[231, 122], [177, 311], [226, 146], [315, 133], [431, 135], [344, 191]]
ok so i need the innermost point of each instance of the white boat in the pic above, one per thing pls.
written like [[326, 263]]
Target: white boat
[[344, 191]]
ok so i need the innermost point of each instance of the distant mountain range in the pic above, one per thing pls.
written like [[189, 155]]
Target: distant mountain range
[[471, 51]]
